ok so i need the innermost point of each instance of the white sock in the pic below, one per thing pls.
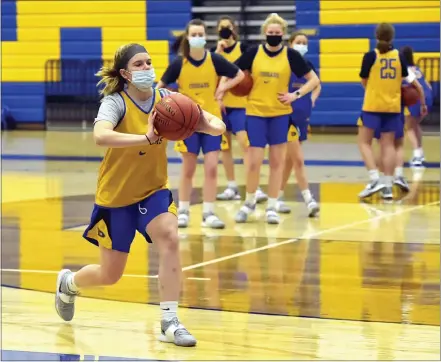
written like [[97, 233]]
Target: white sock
[[307, 196], [251, 197], [232, 185], [418, 152], [70, 283], [374, 175], [207, 207], [184, 205], [388, 181], [281, 193], [398, 172], [168, 310], [271, 203]]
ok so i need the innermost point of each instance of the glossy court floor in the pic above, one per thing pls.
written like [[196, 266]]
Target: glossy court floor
[[360, 282]]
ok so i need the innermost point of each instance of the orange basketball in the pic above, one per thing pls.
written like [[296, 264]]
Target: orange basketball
[[409, 95], [244, 87], [177, 117]]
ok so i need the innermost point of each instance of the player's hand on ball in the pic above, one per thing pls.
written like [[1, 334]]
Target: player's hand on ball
[[286, 98], [213, 127], [151, 135]]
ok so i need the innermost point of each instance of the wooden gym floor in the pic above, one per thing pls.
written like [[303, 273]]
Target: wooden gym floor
[[361, 282]]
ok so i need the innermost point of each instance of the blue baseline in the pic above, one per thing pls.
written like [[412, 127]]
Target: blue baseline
[[176, 160]]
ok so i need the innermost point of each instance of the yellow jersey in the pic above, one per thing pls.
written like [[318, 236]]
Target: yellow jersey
[[271, 75], [230, 100], [129, 175], [384, 78], [200, 83]]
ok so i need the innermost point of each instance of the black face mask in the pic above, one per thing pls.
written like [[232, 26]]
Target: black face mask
[[225, 33], [273, 40]]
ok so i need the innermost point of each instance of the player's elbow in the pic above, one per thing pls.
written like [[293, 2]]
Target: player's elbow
[[100, 137]]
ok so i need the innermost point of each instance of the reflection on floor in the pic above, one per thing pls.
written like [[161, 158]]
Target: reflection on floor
[[362, 281]]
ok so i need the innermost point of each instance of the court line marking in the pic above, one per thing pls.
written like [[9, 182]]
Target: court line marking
[[309, 236], [254, 250]]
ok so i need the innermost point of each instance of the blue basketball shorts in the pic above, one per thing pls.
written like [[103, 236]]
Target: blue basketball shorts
[[384, 122], [415, 110], [234, 119], [399, 132], [298, 130], [198, 142], [115, 228], [270, 131]]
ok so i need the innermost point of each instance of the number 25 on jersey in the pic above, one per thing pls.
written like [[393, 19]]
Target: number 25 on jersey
[[388, 69]]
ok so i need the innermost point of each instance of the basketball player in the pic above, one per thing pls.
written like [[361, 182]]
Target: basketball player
[[234, 115], [298, 132], [132, 192], [382, 72], [268, 110], [197, 71], [413, 114]]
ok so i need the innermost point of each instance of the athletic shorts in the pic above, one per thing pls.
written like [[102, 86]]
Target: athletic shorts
[[115, 228]]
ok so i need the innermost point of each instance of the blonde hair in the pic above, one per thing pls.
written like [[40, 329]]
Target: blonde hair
[[110, 76], [274, 18]]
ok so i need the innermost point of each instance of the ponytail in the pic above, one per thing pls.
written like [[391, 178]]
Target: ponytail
[[112, 80]]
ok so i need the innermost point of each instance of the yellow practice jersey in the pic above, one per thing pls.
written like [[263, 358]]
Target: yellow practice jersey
[[230, 100], [129, 175], [271, 75], [383, 88], [200, 83]]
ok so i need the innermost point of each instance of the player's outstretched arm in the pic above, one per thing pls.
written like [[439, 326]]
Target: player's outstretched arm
[[210, 124]]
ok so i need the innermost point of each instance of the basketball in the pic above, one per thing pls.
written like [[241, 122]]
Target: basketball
[[177, 117], [244, 87], [409, 95]]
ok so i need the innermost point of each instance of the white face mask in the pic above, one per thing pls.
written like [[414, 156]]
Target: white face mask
[[301, 48], [143, 79], [197, 42]]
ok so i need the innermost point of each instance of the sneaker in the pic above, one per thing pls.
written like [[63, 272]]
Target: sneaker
[[183, 218], [64, 298], [272, 217], [210, 220], [243, 213], [261, 196], [417, 161], [313, 208], [402, 183], [281, 207], [371, 188], [173, 331], [230, 193], [386, 193]]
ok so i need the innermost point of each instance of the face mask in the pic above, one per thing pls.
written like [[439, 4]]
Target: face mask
[[301, 48], [225, 33], [143, 79], [273, 40], [197, 42]]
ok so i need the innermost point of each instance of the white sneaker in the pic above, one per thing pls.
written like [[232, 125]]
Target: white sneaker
[[313, 208], [183, 218], [210, 220], [261, 196], [230, 193], [174, 332]]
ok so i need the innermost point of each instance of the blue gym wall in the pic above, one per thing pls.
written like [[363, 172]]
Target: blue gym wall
[[34, 31]]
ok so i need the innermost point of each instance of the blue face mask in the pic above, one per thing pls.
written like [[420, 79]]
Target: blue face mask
[[301, 48], [197, 42], [143, 79]]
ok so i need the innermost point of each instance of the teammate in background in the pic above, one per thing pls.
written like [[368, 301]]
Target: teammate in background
[[298, 132], [268, 110], [382, 72], [413, 113], [197, 71], [234, 116], [132, 180]]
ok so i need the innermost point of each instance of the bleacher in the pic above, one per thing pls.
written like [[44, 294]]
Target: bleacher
[[34, 32]]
